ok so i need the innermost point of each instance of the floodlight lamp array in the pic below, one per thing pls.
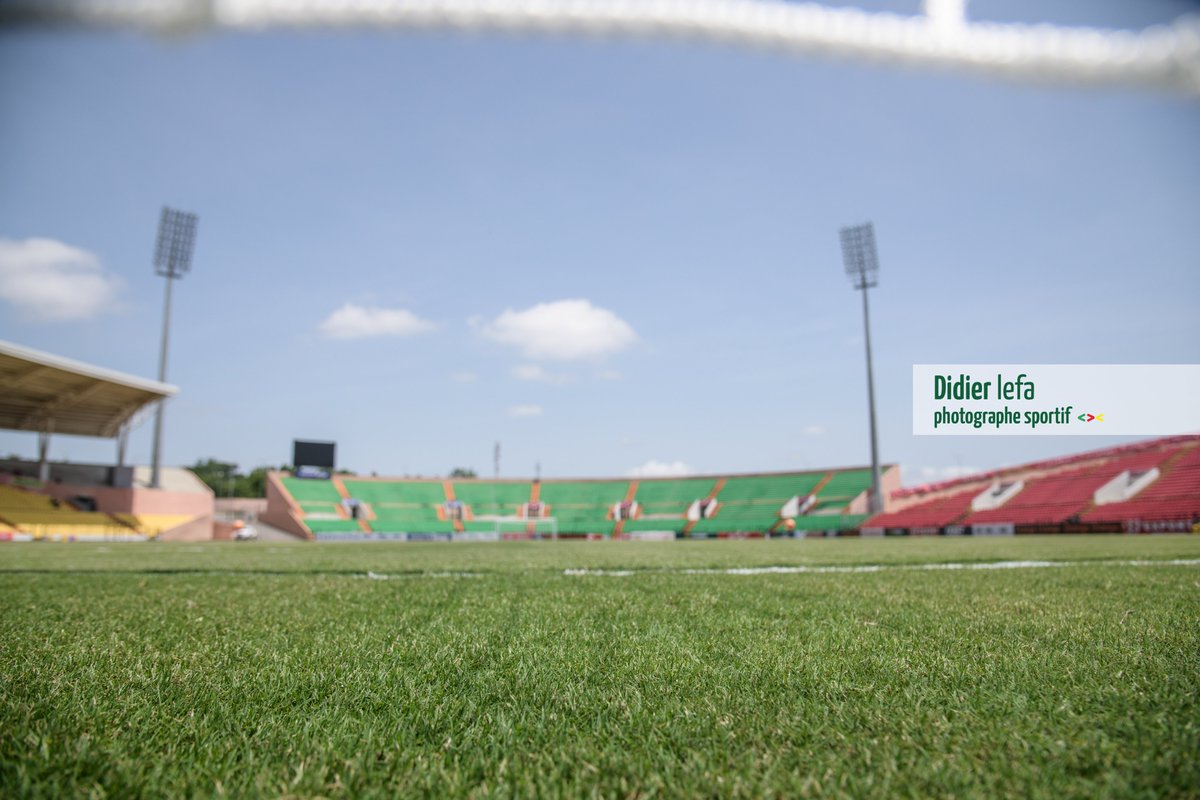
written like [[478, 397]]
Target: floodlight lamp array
[[176, 239], [859, 255]]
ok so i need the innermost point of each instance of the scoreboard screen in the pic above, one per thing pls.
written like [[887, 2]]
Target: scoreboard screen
[[313, 454]]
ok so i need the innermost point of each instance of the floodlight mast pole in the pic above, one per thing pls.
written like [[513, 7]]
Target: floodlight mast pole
[[156, 458], [862, 265], [875, 501], [172, 260]]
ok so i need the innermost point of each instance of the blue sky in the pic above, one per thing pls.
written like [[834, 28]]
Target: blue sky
[[687, 195]]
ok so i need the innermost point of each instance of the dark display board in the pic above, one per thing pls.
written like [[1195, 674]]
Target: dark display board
[[313, 454]]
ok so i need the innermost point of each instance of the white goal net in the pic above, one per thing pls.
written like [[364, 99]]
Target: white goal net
[[522, 528]]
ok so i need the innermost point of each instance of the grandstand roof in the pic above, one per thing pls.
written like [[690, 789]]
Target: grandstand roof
[[44, 392]]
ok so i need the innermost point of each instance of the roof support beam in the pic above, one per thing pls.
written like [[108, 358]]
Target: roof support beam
[[122, 444], [121, 418], [44, 452], [25, 377], [48, 409]]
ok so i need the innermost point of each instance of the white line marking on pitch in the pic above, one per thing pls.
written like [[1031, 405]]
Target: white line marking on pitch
[[803, 570], [798, 570], [375, 576], [614, 573]]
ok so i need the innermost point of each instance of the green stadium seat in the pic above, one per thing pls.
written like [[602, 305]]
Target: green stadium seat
[[847, 484], [493, 498], [746, 503], [829, 522], [751, 503], [635, 525], [311, 490], [402, 506], [319, 526], [662, 496], [583, 506]]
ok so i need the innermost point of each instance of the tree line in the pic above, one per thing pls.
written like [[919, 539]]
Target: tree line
[[225, 480]]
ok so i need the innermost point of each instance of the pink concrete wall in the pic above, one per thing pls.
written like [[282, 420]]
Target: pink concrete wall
[[281, 512], [198, 530], [245, 507], [137, 501], [156, 501], [890, 480], [148, 501]]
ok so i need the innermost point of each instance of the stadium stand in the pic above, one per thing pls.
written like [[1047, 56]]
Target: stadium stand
[[1160, 479], [937, 513], [316, 497], [583, 507], [755, 502], [315, 508], [1053, 498], [663, 504], [398, 506], [48, 395], [1061, 494], [642, 525], [484, 501], [671, 497], [26, 509], [829, 523], [319, 526], [844, 486], [1174, 495], [45, 517]]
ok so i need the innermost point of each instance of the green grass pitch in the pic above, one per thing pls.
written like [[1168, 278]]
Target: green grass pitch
[[484, 670]]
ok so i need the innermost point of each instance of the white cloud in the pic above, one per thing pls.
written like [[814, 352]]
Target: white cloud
[[935, 474], [812, 430], [660, 469], [55, 282], [535, 372], [525, 411], [359, 322], [563, 330], [609, 375]]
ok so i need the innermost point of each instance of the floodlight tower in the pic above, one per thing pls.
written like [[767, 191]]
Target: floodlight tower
[[862, 267], [172, 260]]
